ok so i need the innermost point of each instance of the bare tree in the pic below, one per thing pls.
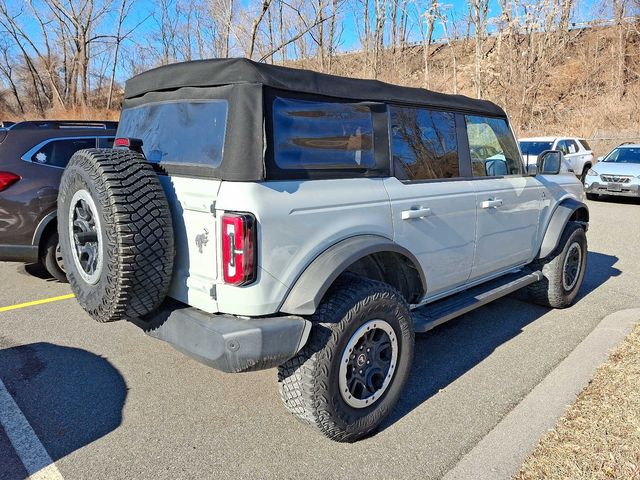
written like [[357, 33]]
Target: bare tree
[[478, 10]]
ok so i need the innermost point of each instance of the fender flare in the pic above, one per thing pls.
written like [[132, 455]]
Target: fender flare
[[308, 290], [559, 219], [42, 225]]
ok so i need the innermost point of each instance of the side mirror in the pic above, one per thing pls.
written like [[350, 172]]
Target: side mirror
[[532, 170], [549, 162], [600, 158]]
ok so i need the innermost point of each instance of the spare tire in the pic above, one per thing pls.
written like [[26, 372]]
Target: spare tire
[[116, 233]]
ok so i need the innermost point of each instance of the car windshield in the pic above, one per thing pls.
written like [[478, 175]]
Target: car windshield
[[534, 148], [624, 155]]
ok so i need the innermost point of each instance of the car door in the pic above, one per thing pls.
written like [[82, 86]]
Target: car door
[[508, 201], [433, 208]]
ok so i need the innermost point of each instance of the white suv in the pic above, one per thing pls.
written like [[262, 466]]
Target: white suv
[[257, 216], [577, 152]]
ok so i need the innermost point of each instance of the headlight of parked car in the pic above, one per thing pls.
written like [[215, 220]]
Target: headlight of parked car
[[592, 173]]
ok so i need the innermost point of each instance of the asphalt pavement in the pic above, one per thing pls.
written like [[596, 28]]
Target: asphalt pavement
[[106, 401]]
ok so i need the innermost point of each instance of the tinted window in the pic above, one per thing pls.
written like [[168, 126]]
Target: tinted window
[[534, 148], [584, 143], [423, 144], [183, 132], [57, 153], [563, 146], [312, 135], [494, 151], [104, 142]]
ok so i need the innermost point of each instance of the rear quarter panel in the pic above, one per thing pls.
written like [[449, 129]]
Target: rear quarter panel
[[298, 220]]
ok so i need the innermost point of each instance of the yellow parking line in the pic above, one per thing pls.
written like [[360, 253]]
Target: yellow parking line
[[36, 302]]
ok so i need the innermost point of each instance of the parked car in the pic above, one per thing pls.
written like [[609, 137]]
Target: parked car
[[618, 173], [32, 158], [314, 223], [577, 152]]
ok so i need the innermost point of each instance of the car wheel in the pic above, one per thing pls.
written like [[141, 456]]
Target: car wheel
[[350, 374], [115, 233], [52, 259], [563, 271], [583, 176]]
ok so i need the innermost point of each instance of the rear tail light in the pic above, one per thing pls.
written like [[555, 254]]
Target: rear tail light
[[134, 144], [238, 248], [7, 179]]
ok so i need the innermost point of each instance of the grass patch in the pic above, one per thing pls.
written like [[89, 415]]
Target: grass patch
[[599, 436]]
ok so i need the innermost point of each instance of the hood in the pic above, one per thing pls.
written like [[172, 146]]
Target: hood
[[613, 168]]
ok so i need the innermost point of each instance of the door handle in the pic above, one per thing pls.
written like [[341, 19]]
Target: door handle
[[492, 203], [416, 213]]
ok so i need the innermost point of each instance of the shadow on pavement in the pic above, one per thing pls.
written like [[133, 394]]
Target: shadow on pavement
[[70, 397], [36, 270], [449, 351]]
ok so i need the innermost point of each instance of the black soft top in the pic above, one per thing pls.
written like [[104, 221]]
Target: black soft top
[[231, 71]]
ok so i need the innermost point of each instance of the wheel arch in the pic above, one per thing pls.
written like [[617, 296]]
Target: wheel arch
[[367, 255], [46, 226], [568, 210]]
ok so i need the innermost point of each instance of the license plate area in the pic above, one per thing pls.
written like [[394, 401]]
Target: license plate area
[[614, 187]]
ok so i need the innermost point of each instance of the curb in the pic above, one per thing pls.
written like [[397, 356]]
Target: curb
[[501, 453]]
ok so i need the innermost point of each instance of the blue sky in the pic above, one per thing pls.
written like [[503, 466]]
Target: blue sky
[[584, 11]]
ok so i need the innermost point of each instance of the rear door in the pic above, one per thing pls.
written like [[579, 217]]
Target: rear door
[[433, 207], [508, 202], [182, 139]]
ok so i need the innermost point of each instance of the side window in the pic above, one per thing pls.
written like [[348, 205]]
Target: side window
[[423, 144], [57, 153], [572, 147], [563, 146], [105, 142], [493, 149], [322, 135]]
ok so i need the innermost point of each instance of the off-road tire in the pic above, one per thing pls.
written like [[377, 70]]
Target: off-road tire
[[48, 258], [309, 381], [550, 291], [136, 233], [593, 196]]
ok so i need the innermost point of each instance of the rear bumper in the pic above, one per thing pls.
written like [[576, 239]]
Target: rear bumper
[[228, 343], [628, 190], [19, 253]]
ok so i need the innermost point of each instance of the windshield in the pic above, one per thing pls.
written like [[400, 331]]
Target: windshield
[[624, 155], [534, 148]]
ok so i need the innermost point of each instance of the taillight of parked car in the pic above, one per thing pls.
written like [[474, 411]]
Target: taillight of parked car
[[239, 248], [7, 179]]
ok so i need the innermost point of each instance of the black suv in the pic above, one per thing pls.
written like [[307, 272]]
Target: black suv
[[32, 158]]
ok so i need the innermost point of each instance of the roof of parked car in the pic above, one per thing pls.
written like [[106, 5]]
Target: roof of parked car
[[538, 139], [217, 72], [62, 124]]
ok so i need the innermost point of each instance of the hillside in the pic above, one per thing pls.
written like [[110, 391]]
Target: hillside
[[583, 82], [575, 90]]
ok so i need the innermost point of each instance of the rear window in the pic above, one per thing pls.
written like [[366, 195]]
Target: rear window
[[57, 153], [189, 132], [322, 135]]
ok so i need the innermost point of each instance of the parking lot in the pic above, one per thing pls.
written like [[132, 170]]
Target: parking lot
[[106, 401]]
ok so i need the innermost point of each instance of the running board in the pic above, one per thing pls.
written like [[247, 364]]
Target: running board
[[433, 314]]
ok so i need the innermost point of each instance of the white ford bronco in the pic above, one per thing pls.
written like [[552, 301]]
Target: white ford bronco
[[256, 216]]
